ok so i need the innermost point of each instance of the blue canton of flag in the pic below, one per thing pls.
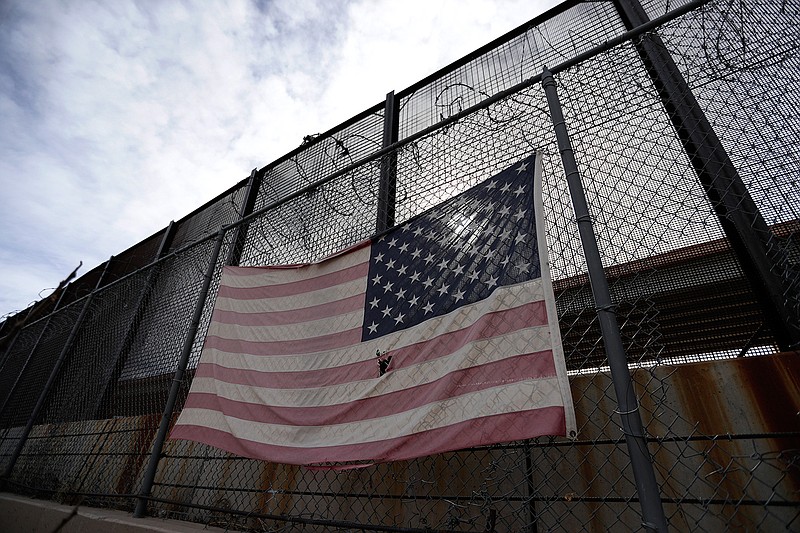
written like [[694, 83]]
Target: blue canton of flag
[[454, 254]]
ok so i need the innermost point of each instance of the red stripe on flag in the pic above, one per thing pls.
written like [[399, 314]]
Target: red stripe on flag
[[290, 380], [259, 270], [291, 347], [457, 383], [487, 326], [294, 288], [505, 427]]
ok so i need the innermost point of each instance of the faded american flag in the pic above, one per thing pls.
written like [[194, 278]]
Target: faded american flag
[[439, 334]]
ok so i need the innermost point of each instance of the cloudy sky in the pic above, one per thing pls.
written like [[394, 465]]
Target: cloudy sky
[[117, 117]]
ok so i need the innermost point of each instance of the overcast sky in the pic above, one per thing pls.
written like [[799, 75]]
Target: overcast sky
[[119, 116]]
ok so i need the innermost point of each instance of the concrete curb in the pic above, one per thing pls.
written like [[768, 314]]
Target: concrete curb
[[25, 515]]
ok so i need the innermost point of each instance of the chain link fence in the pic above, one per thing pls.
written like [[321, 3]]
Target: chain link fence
[[716, 377]]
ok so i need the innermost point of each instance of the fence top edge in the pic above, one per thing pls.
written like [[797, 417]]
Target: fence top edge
[[495, 43]]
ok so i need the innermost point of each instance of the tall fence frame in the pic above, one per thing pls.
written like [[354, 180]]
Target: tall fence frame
[[681, 123]]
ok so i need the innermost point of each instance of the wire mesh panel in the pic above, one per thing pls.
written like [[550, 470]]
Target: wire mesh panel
[[146, 367], [18, 357], [36, 361], [135, 257], [653, 221], [716, 399], [226, 209], [94, 354], [321, 156], [741, 63], [656, 8], [38, 347], [96, 428], [321, 221], [574, 28]]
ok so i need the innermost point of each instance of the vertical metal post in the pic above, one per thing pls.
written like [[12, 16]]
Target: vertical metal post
[[641, 462], [124, 352], [53, 375], [752, 241], [177, 382], [30, 354], [240, 231], [533, 527], [388, 185]]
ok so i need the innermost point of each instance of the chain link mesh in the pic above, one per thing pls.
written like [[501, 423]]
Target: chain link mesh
[[715, 397]]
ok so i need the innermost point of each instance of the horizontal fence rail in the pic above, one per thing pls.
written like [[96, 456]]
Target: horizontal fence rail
[[682, 120]]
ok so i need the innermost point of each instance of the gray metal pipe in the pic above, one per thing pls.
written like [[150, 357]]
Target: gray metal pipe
[[628, 410], [387, 189]]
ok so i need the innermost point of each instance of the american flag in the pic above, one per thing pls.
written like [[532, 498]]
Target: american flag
[[438, 335]]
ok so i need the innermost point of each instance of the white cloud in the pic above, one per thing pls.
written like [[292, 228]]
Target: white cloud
[[119, 116]]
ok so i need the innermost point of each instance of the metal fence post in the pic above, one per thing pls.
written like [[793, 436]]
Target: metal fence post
[[240, 231], [387, 189], [124, 352], [533, 527], [177, 381], [53, 375], [751, 239], [641, 462]]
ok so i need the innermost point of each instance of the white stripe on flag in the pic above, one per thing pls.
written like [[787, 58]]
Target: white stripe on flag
[[286, 332]]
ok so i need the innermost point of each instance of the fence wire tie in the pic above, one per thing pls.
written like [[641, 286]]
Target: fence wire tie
[[617, 411], [610, 308], [454, 504]]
